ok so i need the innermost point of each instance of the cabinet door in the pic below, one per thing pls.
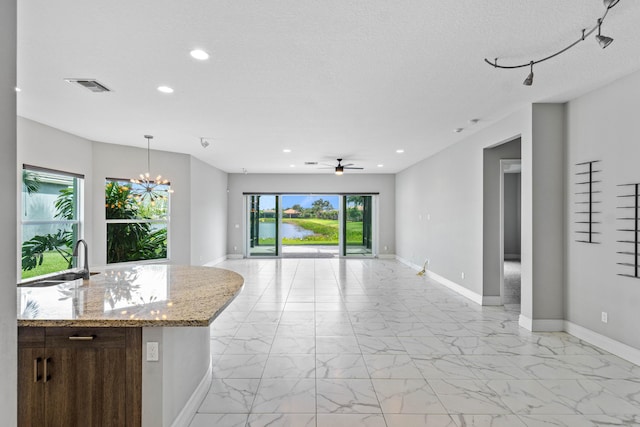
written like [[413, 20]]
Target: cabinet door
[[30, 387], [88, 377]]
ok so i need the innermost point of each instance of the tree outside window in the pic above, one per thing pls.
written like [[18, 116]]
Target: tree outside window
[[137, 221]]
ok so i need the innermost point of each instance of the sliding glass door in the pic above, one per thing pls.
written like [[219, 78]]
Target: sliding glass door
[[357, 225], [263, 225], [310, 225]]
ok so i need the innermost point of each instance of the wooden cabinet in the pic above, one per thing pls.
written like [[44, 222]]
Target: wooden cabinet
[[79, 376]]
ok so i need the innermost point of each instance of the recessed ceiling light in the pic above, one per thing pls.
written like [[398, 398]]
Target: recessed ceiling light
[[199, 54], [400, 151], [18, 89], [380, 166], [292, 166], [165, 89], [286, 150]]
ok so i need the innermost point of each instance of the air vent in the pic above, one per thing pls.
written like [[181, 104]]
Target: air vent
[[92, 85], [310, 163]]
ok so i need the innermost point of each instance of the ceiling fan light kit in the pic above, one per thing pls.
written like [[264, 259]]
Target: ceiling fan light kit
[[339, 168], [603, 41]]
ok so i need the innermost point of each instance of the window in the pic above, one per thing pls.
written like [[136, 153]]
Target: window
[[137, 220], [51, 220]]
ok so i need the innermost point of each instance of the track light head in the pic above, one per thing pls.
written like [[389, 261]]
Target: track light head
[[529, 80], [603, 41], [204, 143]]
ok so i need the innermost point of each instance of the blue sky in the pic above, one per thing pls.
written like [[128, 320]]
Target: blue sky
[[304, 200]]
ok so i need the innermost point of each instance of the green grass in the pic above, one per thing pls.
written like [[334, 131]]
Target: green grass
[[53, 262], [325, 232]]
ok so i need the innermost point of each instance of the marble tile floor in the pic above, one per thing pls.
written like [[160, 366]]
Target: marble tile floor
[[334, 342]]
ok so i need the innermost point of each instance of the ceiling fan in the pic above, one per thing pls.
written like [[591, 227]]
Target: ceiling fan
[[339, 168]]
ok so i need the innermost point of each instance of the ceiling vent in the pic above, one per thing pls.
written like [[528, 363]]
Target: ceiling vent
[[92, 85], [310, 163]]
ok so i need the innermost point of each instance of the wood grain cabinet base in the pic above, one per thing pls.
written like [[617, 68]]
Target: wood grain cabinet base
[[79, 377]]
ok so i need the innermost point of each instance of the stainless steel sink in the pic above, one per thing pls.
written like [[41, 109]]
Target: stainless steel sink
[[42, 283], [67, 276]]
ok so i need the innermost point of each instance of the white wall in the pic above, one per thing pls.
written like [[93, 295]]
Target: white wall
[[208, 213], [167, 385], [439, 205], [8, 243], [318, 184], [601, 126]]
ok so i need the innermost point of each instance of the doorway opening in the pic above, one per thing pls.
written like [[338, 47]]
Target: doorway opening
[[510, 196]]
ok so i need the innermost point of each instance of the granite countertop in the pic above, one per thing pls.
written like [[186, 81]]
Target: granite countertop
[[132, 296]]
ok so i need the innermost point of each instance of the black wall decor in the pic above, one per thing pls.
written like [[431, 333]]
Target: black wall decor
[[587, 198], [630, 228]]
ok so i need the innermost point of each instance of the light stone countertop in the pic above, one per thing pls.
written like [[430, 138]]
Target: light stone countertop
[[132, 296]]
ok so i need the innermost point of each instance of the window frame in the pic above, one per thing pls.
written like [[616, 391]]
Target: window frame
[[166, 221], [79, 213]]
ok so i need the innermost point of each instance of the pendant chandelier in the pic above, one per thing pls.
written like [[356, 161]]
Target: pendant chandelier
[[151, 189]]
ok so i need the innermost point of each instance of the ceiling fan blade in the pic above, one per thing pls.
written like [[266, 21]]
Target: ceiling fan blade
[[353, 168], [348, 164]]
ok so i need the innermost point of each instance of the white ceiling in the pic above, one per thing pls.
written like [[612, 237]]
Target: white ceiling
[[326, 79]]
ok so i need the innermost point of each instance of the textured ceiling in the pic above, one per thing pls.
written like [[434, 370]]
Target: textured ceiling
[[326, 79]]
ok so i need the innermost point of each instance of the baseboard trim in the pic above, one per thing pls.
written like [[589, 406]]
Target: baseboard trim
[[491, 300], [525, 322], [409, 263], [215, 261], [477, 298], [541, 325], [235, 256], [612, 346], [386, 256], [190, 409]]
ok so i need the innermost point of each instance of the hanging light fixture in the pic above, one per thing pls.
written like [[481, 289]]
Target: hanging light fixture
[[603, 41], [150, 187]]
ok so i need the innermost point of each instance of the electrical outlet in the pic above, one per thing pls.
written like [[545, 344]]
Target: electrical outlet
[[462, 275], [604, 317], [152, 352]]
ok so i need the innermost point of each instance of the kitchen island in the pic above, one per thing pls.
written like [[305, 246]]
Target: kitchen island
[[139, 332]]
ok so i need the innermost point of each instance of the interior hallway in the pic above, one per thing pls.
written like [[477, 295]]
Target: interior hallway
[[368, 343]]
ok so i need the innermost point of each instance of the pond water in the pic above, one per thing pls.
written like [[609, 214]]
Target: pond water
[[287, 231]]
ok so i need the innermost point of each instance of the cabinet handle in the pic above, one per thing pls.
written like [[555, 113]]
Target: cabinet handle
[[85, 338], [36, 377], [46, 376]]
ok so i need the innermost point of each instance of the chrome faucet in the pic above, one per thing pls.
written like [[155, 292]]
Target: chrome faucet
[[85, 270]]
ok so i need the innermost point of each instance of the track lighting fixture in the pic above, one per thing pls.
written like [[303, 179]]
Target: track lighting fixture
[[603, 41]]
